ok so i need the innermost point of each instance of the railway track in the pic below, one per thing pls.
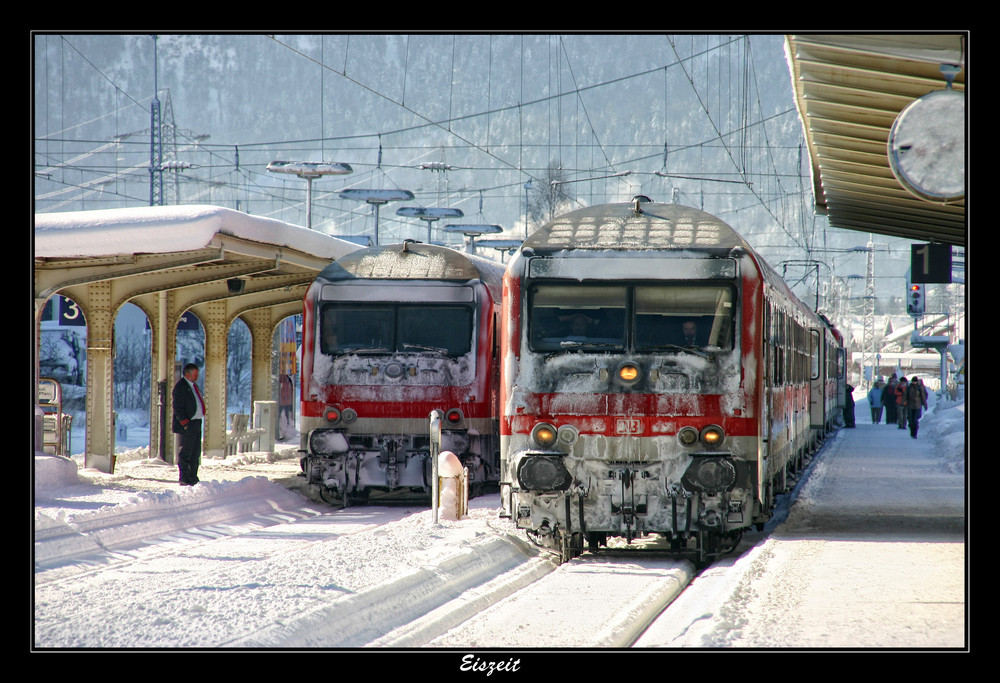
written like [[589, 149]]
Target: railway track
[[359, 577], [593, 601]]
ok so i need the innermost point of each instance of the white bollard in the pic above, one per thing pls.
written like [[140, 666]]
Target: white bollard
[[453, 488], [265, 416]]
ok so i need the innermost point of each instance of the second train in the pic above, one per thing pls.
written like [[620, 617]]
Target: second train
[[390, 334]]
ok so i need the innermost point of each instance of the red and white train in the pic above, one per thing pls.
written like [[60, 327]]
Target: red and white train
[[390, 334], [659, 378]]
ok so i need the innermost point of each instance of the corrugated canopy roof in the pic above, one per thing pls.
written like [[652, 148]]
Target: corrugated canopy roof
[[849, 90]]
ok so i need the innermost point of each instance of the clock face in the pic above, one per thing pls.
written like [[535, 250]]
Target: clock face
[[927, 147]]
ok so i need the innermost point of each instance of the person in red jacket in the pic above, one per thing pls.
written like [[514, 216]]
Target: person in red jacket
[[901, 402]]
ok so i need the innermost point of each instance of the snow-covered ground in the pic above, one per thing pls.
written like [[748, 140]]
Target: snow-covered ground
[[244, 559], [871, 553]]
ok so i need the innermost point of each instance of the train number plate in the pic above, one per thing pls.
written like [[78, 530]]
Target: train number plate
[[628, 425]]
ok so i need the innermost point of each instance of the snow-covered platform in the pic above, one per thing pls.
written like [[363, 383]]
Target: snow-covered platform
[[872, 554]]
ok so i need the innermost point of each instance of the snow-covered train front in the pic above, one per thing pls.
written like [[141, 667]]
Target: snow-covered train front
[[390, 334], [659, 378]]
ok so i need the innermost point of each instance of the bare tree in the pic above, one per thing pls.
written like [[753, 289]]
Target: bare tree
[[549, 196], [239, 366], [133, 366]]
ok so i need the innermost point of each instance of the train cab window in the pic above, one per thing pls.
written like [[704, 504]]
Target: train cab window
[[352, 329], [577, 316], [698, 316], [395, 328], [447, 329], [641, 317]]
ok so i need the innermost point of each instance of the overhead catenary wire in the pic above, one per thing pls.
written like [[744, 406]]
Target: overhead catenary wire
[[222, 164]]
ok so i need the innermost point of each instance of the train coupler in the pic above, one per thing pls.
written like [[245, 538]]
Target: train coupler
[[734, 515]]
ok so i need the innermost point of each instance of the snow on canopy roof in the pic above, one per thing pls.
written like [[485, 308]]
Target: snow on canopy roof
[[163, 229]]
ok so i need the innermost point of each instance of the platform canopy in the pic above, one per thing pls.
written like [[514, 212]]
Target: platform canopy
[[217, 263], [849, 90]]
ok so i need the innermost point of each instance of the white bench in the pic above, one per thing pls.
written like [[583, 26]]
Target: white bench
[[240, 436]]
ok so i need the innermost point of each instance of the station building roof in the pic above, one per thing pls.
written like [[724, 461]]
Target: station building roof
[[160, 247]]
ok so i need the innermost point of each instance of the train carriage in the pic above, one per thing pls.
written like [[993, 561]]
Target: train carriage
[[390, 334], [658, 378]]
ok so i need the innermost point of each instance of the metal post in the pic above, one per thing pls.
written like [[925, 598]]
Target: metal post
[[161, 376], [435, 434], [309, 202]]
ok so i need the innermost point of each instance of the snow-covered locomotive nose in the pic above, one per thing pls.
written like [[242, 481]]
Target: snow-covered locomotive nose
[[391, 333], [659, 379]]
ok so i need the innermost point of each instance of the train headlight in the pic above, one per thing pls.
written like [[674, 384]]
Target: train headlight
[[544, 435], [567, 435], [688, 436], [332, 414], [328, 442], [543, 473], [712, 436], [349, 415], [628, 373], [711, 473]]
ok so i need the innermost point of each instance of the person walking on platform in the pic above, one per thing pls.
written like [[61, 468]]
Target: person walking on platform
[[875, 401], [189, 412], [916, 401], [889, 400], [901, 403], [849, 407]]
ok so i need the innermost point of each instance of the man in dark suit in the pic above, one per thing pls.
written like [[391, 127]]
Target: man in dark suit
[[690, 330], [189, 412]]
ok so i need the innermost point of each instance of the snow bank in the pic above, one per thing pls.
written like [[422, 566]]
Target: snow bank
[[946, 424], [53, 472]]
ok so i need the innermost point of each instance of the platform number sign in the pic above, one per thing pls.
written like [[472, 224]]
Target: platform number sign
[[64, 311], [930, 263]]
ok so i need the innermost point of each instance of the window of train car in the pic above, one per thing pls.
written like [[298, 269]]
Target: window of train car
[[432, 328], [699, 316], [395, 328], [642, 317], [575, 316]]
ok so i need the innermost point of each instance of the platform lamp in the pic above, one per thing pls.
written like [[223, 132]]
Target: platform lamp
[[472, 231], [429, 215], [376, 198], [309, 171]]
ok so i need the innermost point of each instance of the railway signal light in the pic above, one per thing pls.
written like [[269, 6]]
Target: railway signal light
[[915, 301]]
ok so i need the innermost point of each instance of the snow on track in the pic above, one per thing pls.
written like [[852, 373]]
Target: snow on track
[[592, 601], [414, 605], [249, 563]]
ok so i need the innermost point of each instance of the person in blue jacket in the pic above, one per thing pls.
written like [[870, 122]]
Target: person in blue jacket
[[875, 401]]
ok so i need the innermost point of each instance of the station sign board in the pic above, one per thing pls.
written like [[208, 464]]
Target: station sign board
[[930, 263]]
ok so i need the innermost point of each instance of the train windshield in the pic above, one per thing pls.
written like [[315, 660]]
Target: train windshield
[[639, 317], [395, 328], [699, 316]]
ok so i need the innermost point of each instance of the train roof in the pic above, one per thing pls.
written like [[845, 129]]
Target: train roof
[[415, 261], [644, 225], [637, 225]]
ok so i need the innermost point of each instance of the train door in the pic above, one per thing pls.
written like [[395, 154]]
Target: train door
[[767, 398], [817, 388], [841, 377]]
